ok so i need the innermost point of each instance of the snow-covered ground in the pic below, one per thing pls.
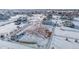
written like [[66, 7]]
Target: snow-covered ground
[[67, 32], [76, 18], [58, 38], [61, 43], [7, 28], [10, 45]]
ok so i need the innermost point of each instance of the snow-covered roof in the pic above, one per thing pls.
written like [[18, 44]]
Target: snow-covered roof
[[36, 17], [56, 16], [14, 18]]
